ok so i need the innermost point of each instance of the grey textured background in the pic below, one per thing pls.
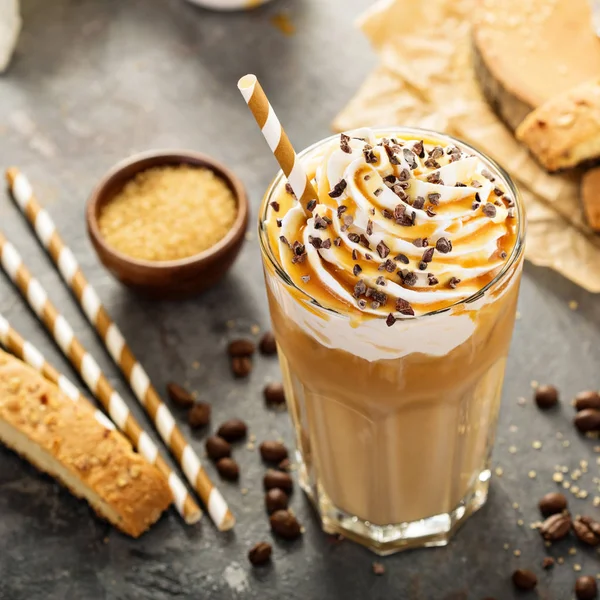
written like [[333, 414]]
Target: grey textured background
[[93, 81]]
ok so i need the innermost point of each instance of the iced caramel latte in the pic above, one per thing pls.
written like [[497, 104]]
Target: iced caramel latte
[[393, 301]]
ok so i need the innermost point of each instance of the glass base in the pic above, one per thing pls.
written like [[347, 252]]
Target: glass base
[[388, 539]]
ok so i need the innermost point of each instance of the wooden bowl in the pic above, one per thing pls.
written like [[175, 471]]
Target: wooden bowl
[[174, 279]]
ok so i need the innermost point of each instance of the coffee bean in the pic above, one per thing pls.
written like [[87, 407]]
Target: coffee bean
[[278, 479], [267, 345], [546, 396], [241, 366], [587, 420], [556, 527], [274, 393], [233, 430], [276, 499], [547, 563], [285, 524], [179, 395], [228, 469], [260, 554], [552, 503], [587, 399], [284, 465], [199, 415], [217, 447], [587, 530], [524, 579], [273, 451], [242, 347], [586, 588]]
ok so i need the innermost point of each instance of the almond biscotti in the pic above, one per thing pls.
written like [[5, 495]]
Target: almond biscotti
[[64, 439], [565, 131]]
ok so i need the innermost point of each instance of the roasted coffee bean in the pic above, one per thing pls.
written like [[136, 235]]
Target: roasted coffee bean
[[546, 396], [524, 579], [587, 530], [260, 554], [556, 527], [179, 395], [241, 347], [199, 415], [552, 503], [587, 399], [285, 524], [276, 499], [233, 430], [273, 451], [241, 366], [274, 393], [228, 469], [547, 563], [586, 588], [267, 345], [278, 479], [587, 420], [217, 447]]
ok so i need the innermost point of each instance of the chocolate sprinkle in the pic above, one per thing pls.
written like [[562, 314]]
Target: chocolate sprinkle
[[364, 241], [337, 242], [477, 197], [279, 222], [370, 157], [432, 279], [436, 152], [419, 149], [391, 152], [390, 320], [410, 278], [354, 237], [368, 257], [399, 191], [315, 241], [390, 179], [428, 255], [402, 258], [454, 281], [326, 244], [344, 143], [430, 212], [311, 205], [404, 308], [321, 222], [409, 157], [420, 242], [387, 214], [298, 249], [498, 191], [434, 177], [341, 210], [382, 249], [434, 198], [354, 254], [489, 210], [338, 189], [360, 288], [389, 265], [289, 190], [275, 206], [404, 175], [419, 202], [369, 227], [443, 245], [432, 163]]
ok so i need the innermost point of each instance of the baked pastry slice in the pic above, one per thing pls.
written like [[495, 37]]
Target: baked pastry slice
[[565, 131], [64, 439]]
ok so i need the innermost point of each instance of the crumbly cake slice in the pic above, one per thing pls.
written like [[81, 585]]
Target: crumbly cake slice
[[565, 131], [64, 439]]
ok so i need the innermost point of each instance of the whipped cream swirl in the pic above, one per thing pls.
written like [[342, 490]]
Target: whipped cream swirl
[[402, 227]]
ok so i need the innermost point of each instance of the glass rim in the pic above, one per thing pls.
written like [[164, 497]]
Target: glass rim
[[420, 133]]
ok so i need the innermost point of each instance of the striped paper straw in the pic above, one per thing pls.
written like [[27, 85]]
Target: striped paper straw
[[28, 353], [90, 372], [118, 349], [278, 140]]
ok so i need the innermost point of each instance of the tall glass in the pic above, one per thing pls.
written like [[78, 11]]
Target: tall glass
[[394, 452]]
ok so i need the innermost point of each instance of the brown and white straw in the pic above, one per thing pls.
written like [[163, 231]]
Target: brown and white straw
[[278, 140], [28, 353], [92, 375], [118, 349]]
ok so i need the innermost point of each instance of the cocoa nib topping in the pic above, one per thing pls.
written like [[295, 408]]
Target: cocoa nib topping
[[321, 222], [382, 249], [489, 210], [434, 198], [422, 266], [391, 319], [360, 288], [498, 191], [428, 255], [380, 281], [399, 191], [370, 157], [432, 279], [434, 177], [326, 244], [430, 212], [283, 239], [404, 175], [369, 227], [311, 204], [279, 222], [454, 153], [387, 214], [378, 192], [356, 270], [275, 206], [443, 245], [289, 190], [460, 184], [341, 210], [419, 202], [391, 152], [338, 189], [364, 241], [476, 184], [454, 281], [345, 143], [419, 149], [409, 157], [389, 266], [488, 175], [299, 253], [354, 254], [410, 278], [402, 258], [305, 278], [421, 242], [362, 303], [404, 308], [436, 152], [432, 163], [354, 237], [315, 241], [348, 220], [337, 242]]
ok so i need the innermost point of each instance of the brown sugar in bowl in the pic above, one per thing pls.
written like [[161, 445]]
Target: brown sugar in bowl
[[174, 279]]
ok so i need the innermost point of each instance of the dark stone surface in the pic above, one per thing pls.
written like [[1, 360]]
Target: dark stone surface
[[93, 81]]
